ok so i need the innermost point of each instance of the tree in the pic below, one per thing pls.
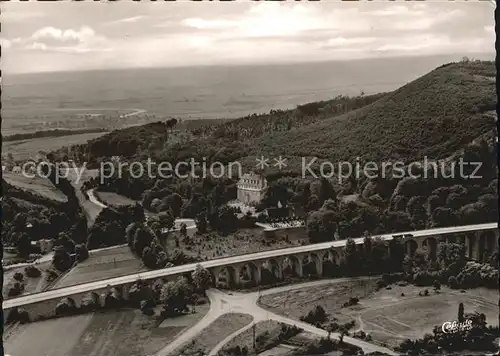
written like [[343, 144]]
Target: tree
[[201, 223], [183, 230], [61, 260], [343, 331], [142, 238], [461, 312], [149, 257], [81, 252], [23, 245], [436, 285], [130, 233], [18, 276], [322, 225], [351, 257], [174, 296], [202, 278], [326, 191]]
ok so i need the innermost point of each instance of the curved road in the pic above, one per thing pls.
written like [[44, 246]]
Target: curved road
[[154, 274]]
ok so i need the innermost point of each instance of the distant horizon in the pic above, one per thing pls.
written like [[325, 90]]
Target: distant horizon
[[41, 38], [458, 56]]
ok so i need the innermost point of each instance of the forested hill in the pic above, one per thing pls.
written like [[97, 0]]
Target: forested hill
[[435, 115]]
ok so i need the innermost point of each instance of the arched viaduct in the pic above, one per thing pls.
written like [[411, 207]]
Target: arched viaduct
[[262, 267]]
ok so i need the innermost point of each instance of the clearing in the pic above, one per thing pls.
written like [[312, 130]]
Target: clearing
[[386, 315]]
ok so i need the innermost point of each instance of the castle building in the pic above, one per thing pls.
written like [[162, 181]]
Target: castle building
[[251, 188]]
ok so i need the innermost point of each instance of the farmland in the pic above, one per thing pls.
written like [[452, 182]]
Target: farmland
[[102, 264], [389, 315], [123, 332], [37, 185], [24, 149], [110, 198]]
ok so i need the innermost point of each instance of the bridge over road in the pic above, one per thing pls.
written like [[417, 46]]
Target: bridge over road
[[44, 303]]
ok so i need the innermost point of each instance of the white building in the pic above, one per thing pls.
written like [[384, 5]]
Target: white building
[[251, 188]]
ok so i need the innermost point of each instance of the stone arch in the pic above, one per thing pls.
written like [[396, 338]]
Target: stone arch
[[430, 244], [491, 242], [410, 247], [271, 271], [292, 266], [330, 263], [470, 243], [227, 277], [249, 274], [308, 266]]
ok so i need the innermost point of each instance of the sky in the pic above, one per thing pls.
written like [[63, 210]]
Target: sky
[[39, 36]]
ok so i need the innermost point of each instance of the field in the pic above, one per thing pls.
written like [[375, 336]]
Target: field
[[24, 149], [107, 263], [110, 198], [124, 333], [222, 327], [38, 185], [386, 315]]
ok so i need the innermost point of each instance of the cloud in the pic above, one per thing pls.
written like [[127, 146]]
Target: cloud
[[82, 40], [70, 36], [126, 20]]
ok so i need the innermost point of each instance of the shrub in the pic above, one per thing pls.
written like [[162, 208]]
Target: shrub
[[18, 315], [66, 306], [32, 272], [18, 276], [15, 290], [90, 302]]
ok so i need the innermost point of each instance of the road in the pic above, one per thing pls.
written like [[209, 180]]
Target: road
[[246, 303], [160, 273]]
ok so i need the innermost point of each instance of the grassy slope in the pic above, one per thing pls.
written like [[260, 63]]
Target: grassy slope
[[434, 115]]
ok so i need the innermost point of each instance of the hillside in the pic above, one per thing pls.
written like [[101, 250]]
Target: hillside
[[435, 115]]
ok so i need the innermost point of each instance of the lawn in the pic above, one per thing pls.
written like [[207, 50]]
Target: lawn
[[38, 185], [113, 262], [221, 328], [386, 315], [31, 285], [124, 333]]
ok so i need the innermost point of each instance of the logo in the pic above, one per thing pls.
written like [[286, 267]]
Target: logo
[[454, 326]]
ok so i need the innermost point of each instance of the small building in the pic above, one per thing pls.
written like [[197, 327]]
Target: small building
[[251, 188], [279, 211], [45, 245]]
